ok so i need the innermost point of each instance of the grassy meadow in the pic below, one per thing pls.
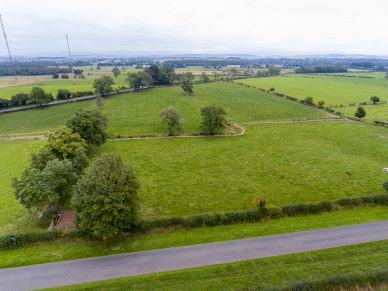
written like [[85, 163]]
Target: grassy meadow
[[373, 112], [334, 90], [285, 163], [15, 156], [139, 112]]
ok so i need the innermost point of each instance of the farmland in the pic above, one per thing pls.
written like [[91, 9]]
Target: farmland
[[334, 90], [285, 163], [229, 172], [135, 113]]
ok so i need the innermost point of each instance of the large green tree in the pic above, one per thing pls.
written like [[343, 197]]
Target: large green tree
[[103, 85], [90, 125], [46, 189], [63, 143], [213, 119], [106, 198], [139, 79]]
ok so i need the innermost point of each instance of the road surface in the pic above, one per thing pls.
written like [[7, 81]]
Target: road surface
[[106, 267]]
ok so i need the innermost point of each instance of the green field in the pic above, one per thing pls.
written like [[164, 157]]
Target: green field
[[15, 156], [257, 274], [52, 86], [333, 90], [285, 163], [373, 112], [71, 248], [135, 113]]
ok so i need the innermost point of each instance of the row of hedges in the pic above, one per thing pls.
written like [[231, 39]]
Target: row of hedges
[[255, 215], [349, 280], [15, 240]]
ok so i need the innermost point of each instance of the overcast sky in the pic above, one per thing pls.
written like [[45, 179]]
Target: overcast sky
[[200, 26]]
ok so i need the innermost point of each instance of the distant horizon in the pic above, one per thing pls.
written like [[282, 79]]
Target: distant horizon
[[150, 27]]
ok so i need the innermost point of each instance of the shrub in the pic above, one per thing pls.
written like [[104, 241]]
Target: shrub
[[19, 99], [15, 240], [349, 201], [385, 185], [260, 202], [63, 94], [64, 76], [172, 119]]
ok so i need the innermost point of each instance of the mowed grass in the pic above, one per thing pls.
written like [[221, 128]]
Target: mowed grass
[[15, 156], [284, 163], [257, 274], [70, 248], [332, 89], [373, 112], [139, 112]]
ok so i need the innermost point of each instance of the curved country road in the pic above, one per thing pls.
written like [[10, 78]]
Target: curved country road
[[99, 268]]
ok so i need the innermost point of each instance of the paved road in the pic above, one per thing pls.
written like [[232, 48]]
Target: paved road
[[93, 269]]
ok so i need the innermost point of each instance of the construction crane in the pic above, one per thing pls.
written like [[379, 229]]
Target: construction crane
[[5, 38], [6, 43], [68, 47]]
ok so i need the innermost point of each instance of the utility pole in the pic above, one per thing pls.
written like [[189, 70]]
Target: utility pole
[[6, 43], [68, 47]]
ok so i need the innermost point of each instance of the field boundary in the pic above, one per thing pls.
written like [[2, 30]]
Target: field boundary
[[238, 130]]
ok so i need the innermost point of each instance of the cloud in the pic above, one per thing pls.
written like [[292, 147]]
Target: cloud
[[151, 26]]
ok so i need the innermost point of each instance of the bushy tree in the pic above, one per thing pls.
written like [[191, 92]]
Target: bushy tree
[[19, 99], [63, 94], [308, 101], [63, 143], [187, 83], [55, 76], [103, 85], [90, 125], [161, 75], [46, 189], [172, 119], [64, 76], [274, 71], [360, 112], [204, 77], [39, 96], [139, 79], [116, 71], [106, 198], [78, 72], [213, 119], [375, 99]]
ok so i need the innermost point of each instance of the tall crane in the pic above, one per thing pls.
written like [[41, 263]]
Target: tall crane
[[7, 45], [68, 47], [5, 38]]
